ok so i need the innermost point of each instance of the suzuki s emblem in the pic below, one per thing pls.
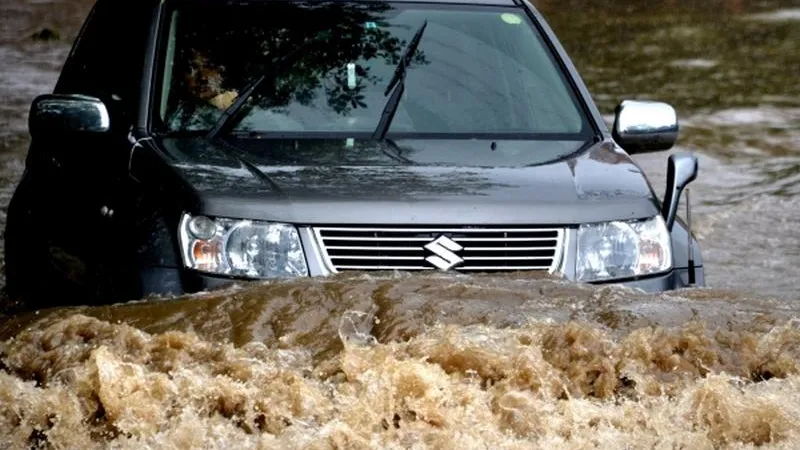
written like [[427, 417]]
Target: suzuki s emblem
[[443, 249]]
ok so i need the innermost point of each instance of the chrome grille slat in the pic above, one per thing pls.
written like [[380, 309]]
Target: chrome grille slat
[[504, 258], [500, 249], [371, 247], [442, 230], [470, 248], [503, 239], [498, 268], [387, 268], [378, 258], [390, 239]]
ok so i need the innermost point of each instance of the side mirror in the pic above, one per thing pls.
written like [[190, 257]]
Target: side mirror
[[681, 170], [644, 126], [65, 114]]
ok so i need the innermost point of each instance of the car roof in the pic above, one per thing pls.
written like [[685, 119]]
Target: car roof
[[463, 2]]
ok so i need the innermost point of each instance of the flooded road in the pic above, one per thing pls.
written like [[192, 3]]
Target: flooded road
[[408, 362], [398, 361]]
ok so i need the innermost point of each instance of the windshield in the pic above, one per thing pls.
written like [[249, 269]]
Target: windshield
[[477, 71]]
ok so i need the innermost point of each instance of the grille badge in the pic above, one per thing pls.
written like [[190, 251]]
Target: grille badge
[[444, 256]]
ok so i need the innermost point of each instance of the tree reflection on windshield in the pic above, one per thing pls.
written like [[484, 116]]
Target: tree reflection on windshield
[[218, 50]]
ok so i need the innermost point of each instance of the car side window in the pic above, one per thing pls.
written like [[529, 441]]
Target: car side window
[[108, 57]]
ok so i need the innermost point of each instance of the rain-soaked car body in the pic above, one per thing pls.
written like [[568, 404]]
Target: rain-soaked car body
[[360, 136]]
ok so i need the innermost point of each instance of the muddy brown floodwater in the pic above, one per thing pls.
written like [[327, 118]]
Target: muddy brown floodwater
[[435, 361]]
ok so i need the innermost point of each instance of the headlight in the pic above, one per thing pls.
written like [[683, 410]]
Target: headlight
[[614, 250], [242, 247]]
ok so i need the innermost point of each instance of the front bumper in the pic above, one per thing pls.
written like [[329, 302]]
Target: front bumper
[[676, 279], [174, 281]]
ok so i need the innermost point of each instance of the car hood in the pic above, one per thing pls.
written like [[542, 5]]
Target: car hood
[[264, 181]]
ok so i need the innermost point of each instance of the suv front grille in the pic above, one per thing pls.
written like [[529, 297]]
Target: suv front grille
[[477, 249]]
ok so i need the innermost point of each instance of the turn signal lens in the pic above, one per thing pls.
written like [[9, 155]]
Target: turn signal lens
[[206, 255]]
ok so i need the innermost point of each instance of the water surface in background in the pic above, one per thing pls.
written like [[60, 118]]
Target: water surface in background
[[729, 68], [435, 361]]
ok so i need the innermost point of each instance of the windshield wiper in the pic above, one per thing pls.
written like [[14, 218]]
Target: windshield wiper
[[398, 83], [232, 110], [229, 116]]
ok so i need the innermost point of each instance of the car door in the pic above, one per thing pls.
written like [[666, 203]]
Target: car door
[[78, 183]]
